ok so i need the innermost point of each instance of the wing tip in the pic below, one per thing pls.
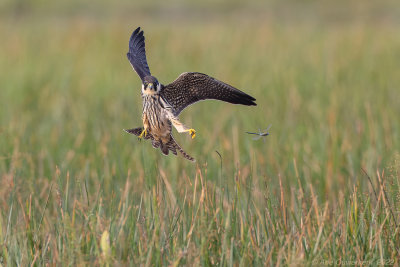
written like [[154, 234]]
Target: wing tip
[[252, 102], [247, 100], [137, 33]]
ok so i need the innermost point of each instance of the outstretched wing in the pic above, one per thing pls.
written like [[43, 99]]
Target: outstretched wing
[[137, 54], [191, 87]]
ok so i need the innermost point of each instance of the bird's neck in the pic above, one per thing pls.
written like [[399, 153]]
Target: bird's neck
[[149, 93]]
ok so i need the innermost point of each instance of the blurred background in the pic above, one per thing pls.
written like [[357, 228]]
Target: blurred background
[[325, 74]]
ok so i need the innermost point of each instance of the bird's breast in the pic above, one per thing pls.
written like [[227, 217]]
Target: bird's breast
[[159, 125]]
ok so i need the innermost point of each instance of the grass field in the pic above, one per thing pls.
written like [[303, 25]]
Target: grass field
[[324, 189]]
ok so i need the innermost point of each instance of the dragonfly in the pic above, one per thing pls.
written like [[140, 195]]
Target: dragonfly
[[261, 133]]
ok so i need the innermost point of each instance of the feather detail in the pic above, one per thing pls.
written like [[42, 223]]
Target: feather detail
[[191, 87], [137, 54], [171, 145]]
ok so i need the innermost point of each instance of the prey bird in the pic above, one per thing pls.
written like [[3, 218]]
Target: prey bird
[[261, 133], [163, 103]]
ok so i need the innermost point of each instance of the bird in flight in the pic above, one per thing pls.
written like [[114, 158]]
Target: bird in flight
[[261, 133], [163, 103]]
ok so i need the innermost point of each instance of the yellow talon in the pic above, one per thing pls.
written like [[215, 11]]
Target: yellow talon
[[192, 133], [144, 132]]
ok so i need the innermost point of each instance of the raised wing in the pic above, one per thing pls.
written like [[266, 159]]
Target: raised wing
[[191, 87], [137, 54]]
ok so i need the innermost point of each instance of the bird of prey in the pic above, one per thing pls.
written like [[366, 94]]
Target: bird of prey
[[163, 103], [261, 133]]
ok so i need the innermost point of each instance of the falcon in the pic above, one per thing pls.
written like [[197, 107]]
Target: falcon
[[163, 103]]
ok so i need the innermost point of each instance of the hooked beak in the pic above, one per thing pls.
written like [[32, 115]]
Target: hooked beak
[[150, 86]]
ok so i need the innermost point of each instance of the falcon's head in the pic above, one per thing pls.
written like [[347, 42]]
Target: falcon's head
[[150, 85]]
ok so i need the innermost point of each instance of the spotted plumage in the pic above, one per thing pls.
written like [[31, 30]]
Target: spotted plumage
[[171, 145], [191, 87], [162, 104]]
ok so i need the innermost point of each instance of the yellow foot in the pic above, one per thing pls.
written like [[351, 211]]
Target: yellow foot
[[144, 132], [192, 133]]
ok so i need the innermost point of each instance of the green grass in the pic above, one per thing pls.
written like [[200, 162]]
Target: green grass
[[327, 82]]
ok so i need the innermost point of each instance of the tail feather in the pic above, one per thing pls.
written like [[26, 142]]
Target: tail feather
[[171, 145], [138, 131], [155, 143], [173, 150], [164, 148]]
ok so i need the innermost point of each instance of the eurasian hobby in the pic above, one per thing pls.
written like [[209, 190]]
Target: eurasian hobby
[[163, 103]]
